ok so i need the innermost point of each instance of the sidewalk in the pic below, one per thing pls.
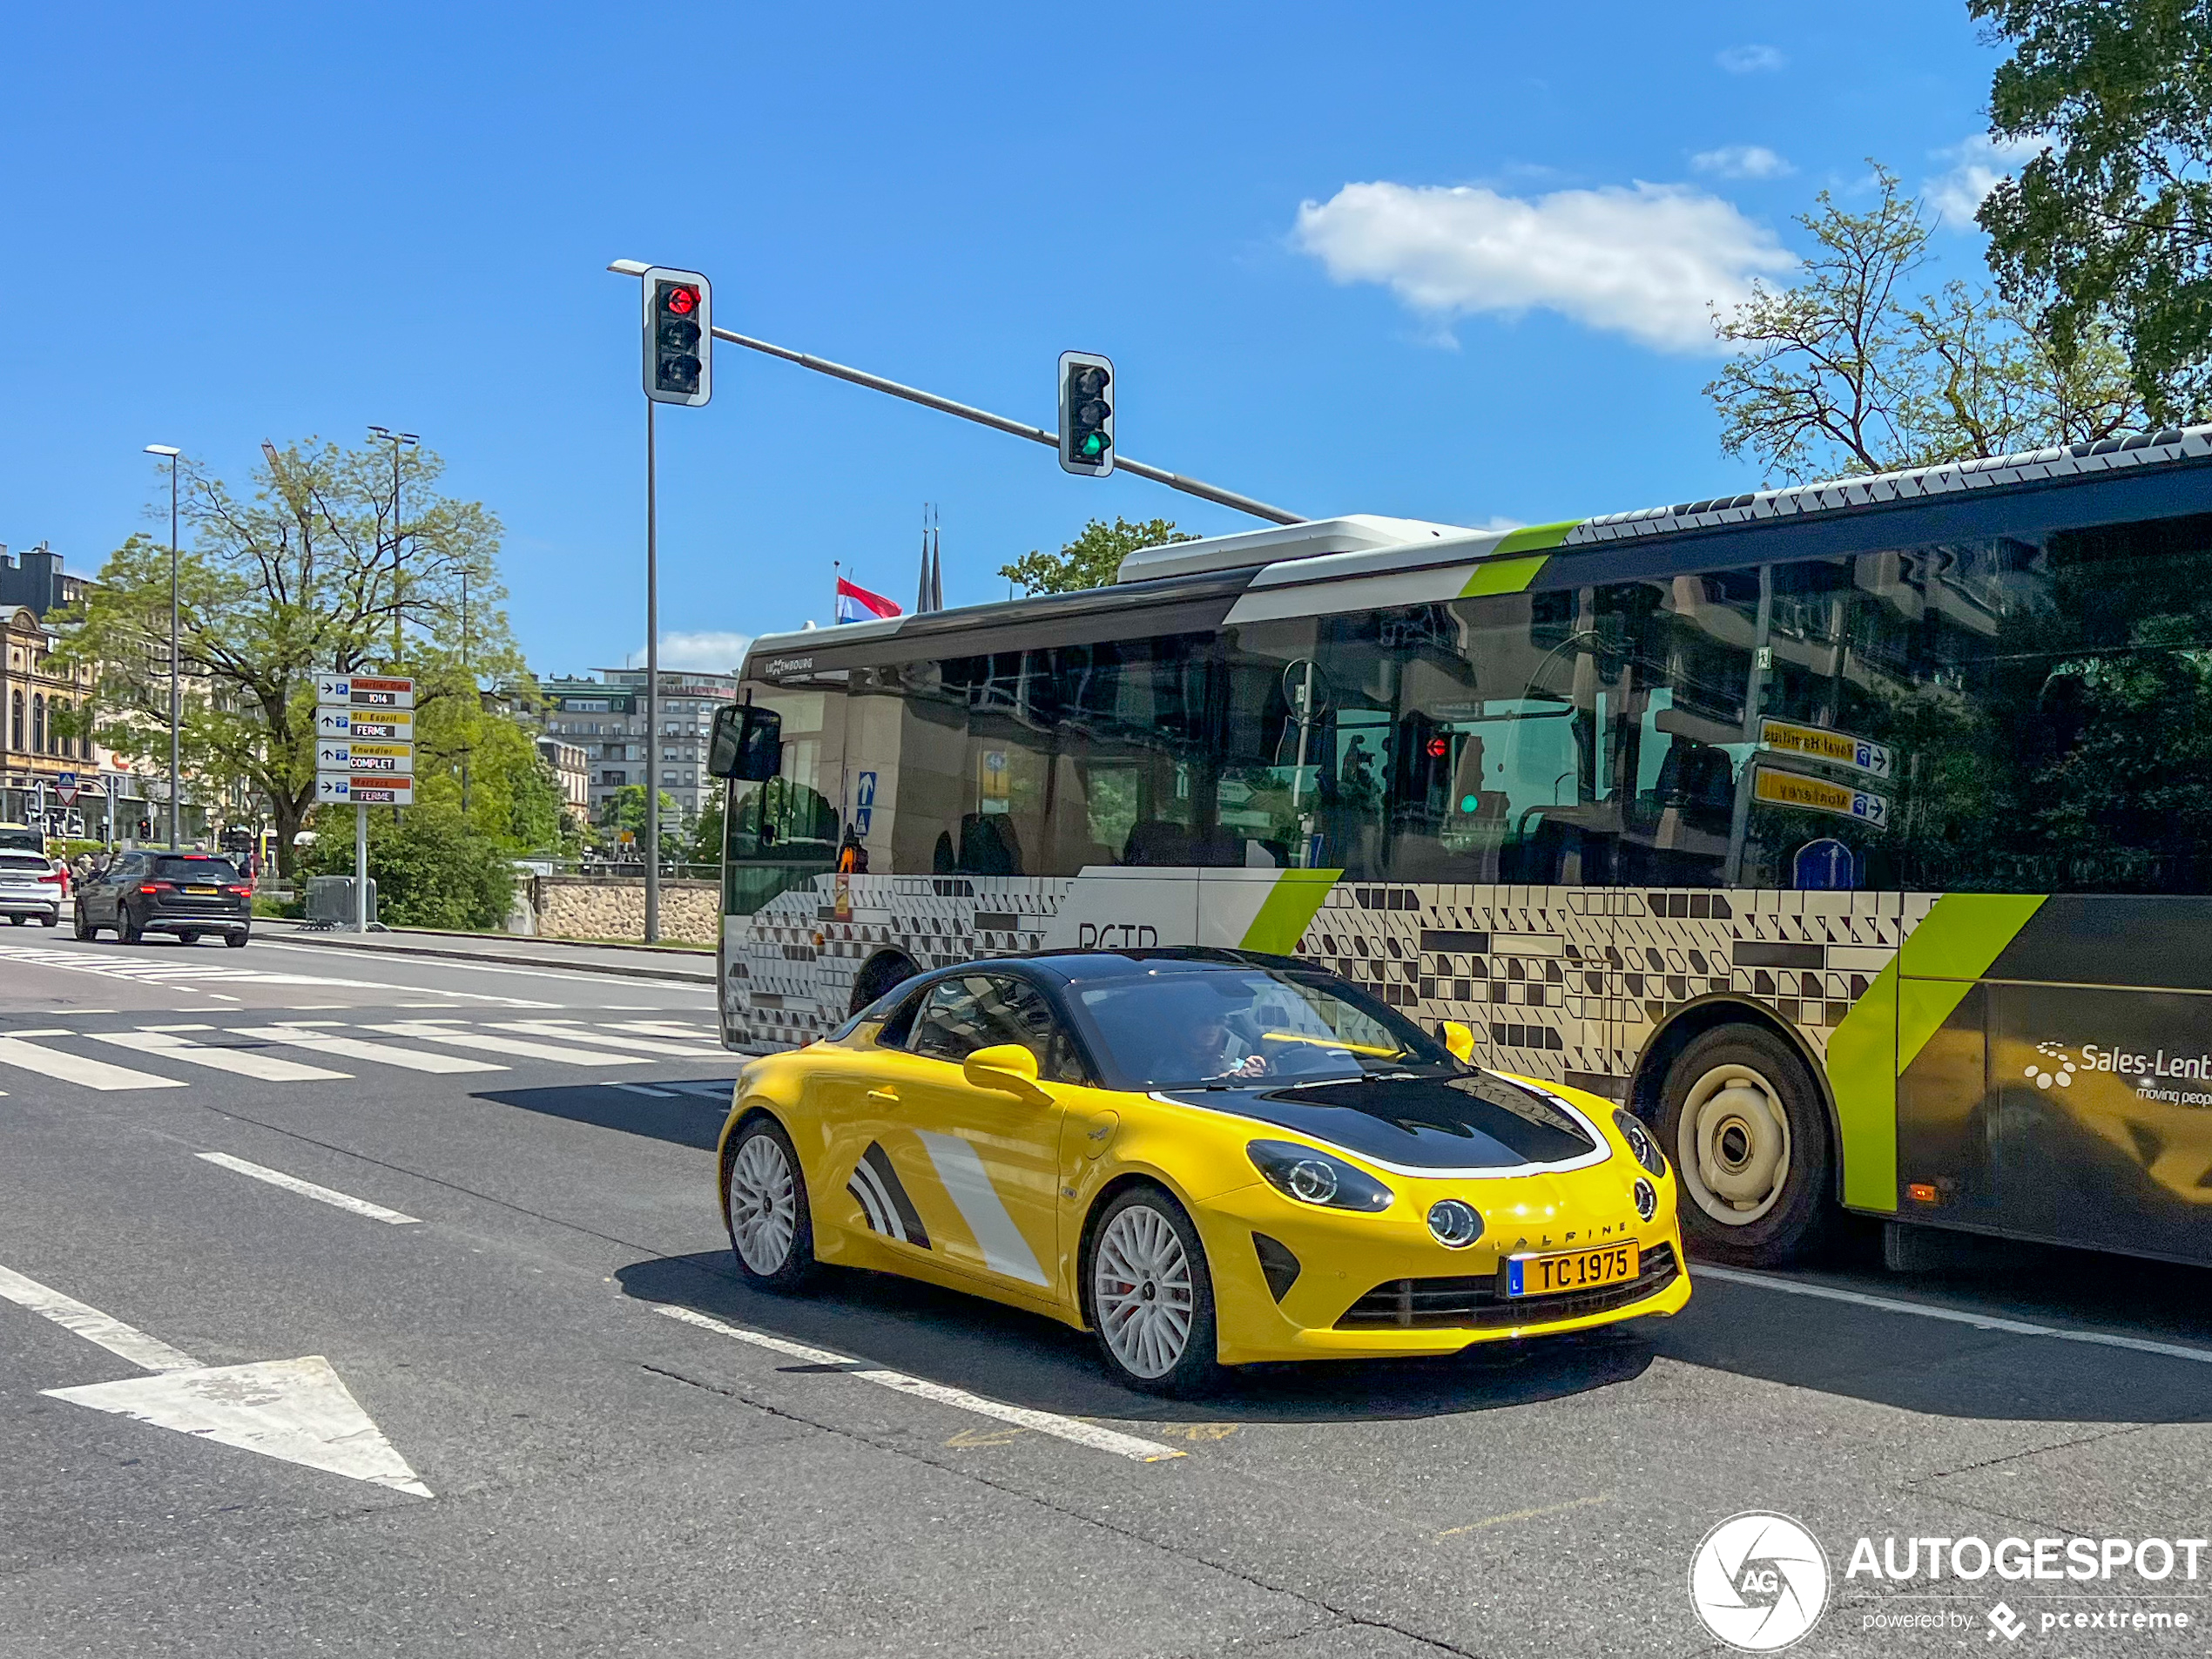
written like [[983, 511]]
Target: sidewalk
[[631, 962]]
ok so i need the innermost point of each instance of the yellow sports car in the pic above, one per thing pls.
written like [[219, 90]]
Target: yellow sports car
[[1206, 1157]]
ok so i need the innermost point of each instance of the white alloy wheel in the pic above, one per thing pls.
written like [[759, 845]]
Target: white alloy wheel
[[1142, 1292], [764, 1203], [1733, 1145]]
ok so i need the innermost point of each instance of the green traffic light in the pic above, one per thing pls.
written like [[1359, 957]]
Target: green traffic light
[[1093, 444], [1468, 803]]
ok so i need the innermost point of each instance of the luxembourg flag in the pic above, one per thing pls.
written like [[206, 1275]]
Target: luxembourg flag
[[856, 603]]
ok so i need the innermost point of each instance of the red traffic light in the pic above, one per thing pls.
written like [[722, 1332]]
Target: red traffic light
[[1438, 748], [682, 302]]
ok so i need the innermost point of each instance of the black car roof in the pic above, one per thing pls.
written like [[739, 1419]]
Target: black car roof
[[1073, 966]]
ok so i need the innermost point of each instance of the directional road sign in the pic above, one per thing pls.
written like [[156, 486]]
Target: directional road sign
[[363, 691]]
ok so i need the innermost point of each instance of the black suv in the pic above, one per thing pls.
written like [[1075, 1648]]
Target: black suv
[[184, 893]]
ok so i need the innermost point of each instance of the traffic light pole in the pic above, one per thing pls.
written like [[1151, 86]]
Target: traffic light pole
[[1018, 428], [652, 692]]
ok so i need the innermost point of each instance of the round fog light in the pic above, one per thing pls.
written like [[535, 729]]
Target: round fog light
[[1647, 1198], [1454, 1224]]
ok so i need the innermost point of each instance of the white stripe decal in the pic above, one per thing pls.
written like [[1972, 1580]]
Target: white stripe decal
[[1066, 1428], [309, 1190], [892, 1226], [125, 1342], [872, 1204], [1952, 1316], [968, 1184]]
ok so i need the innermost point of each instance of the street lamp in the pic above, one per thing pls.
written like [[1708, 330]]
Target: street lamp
[[169, 452], [398, 441], [634, 268]]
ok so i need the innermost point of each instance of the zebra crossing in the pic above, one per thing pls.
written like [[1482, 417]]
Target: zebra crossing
[[200, 969], [311, 1051]]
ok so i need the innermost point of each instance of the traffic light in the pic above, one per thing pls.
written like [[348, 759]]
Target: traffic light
[[679, 337], [1086, 413]]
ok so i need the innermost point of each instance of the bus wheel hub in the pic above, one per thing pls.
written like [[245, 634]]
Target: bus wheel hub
[[1738, 1144]]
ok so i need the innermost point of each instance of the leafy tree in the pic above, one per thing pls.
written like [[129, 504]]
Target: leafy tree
[[625, 809], [297, 576], [2113, 217], [1090, 560], [431, 869], [706, 833], [1846, 371]]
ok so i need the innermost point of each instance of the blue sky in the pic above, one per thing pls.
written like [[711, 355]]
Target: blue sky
[[225, 224]]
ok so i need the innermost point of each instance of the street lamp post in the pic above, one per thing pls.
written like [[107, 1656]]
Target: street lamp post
[[176, 781]]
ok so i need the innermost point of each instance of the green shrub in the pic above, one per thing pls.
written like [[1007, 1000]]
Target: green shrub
[[431, 869]]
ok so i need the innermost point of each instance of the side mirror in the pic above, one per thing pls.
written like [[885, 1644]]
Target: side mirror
[[1458, 1038], [1007, 1067], [746, 743]]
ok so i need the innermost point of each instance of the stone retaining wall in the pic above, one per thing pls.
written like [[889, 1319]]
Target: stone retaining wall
[[573, 907]]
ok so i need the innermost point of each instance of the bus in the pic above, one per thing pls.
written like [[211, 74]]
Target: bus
[[1856, 836]]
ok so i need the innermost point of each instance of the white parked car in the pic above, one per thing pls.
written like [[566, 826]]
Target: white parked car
[[30, 887]]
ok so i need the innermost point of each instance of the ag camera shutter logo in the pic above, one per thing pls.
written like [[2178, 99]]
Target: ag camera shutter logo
[[1759, 1582]]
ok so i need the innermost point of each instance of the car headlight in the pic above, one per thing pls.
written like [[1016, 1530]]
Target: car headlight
[[1311, 1177], [1639, 1139]]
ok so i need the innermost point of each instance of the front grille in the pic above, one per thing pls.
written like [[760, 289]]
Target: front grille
[[1475, 1304]]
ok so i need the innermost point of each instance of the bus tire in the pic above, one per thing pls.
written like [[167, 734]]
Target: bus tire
[[1744, 1122], [886, 972]]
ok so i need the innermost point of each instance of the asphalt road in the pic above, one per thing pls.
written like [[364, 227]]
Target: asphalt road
[[561, 1426]]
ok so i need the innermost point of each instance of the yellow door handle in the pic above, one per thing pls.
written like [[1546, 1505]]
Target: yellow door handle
[[884, 1096]]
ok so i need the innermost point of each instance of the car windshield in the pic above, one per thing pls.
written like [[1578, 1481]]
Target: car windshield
[[1180, 1026], [194, 870]]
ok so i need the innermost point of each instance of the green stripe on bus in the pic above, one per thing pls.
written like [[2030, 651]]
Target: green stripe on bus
[[1503, 573], [1289, 906], [1862, 1071], [1906, 1006]]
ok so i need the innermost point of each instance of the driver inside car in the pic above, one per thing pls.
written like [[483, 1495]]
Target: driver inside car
[[1210, 1049]]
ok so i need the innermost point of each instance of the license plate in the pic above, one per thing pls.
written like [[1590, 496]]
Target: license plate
[[1572, 1269], [203, 892]]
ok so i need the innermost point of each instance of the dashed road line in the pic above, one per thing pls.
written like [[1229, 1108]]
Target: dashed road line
[[309, 1190], [1065, 1429], [575, 1030]]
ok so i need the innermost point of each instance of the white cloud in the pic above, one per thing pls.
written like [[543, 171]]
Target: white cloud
[[1742, 161], [1750, 60], [1976, 165], [1645, 261], [702, 653]]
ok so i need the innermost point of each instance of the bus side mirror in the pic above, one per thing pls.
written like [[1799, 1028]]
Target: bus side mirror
[[746, 743], [1458, 1038]]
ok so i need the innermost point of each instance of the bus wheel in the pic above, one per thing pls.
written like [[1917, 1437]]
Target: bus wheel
[[1750, 1141], [886, 971]]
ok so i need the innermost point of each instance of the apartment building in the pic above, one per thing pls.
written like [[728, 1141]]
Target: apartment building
[[605, 716]]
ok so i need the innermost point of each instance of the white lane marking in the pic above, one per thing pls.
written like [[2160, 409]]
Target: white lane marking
[[504, 1045], [640, 1088], [309, 1190], [200, 1025], [172, 975], [576, 1031], [1066, 1428], [708, 1091], [125, 1342], [354, 1048], [472, 966], [967, 1183], [298, 1410], [675, 1028], [47, 1031], [243, 1061], [1952, 1316], [76, 1068]]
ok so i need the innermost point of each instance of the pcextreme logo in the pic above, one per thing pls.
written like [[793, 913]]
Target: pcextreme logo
[[1759, 1582]]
